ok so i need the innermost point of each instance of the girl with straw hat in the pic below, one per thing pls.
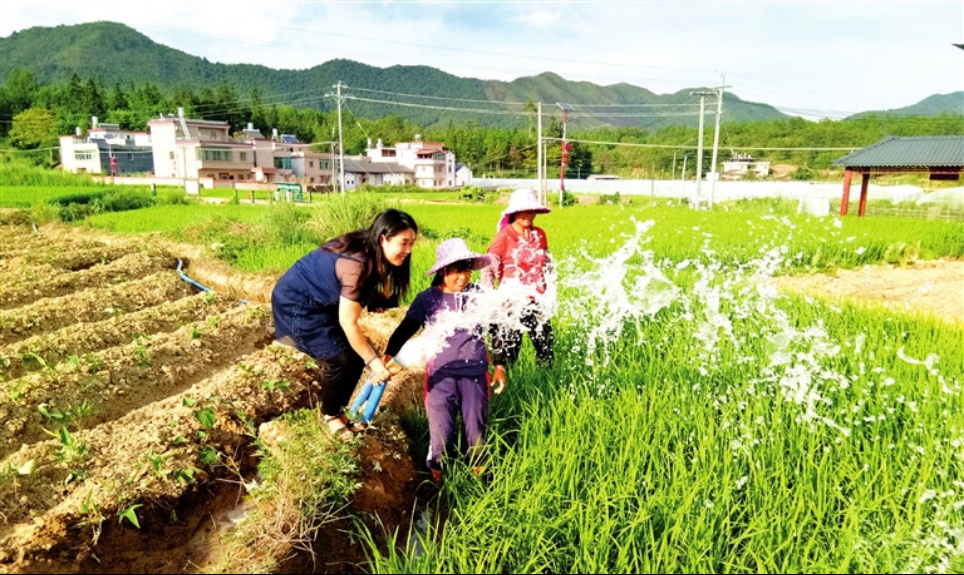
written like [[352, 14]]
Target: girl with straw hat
[[457, 370]]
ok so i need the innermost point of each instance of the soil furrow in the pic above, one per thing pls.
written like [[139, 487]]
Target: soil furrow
[[91, 305], [32, 283], [69, 258], [104, 385], [80, 338], [149, 454]]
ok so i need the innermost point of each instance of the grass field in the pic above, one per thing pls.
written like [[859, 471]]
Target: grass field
[[695, 419]]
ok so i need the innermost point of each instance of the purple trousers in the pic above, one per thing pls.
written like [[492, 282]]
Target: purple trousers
[[445, 398]]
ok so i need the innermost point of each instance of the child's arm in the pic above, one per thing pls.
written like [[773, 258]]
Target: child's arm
[[498, 372], [404, 332]]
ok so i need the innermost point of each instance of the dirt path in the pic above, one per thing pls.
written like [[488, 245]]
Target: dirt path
[[935, 288]]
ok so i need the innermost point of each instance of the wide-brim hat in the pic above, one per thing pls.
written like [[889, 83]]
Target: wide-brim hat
[[522, 200], [456, 250]]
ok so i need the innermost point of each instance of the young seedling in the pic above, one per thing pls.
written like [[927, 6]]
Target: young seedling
[[129, 513]]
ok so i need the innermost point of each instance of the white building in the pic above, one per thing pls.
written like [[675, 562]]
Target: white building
[[432, 166], [463, 175]]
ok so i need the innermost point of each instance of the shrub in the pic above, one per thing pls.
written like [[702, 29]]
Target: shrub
[[342, 213], [610, 199]]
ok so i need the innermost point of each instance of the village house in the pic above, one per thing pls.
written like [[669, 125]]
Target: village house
[[106, 150], [206, 152]]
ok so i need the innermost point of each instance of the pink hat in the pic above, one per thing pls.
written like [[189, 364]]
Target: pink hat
[[456, 250], [522, 200]]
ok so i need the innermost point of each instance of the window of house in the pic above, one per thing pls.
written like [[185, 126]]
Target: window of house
[[311, 164], [282, 163], [170, 155], [213, 155], [243, 156], [83, 155]]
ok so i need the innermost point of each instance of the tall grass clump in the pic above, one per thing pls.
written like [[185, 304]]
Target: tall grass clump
[[342, 213], [302, 483]]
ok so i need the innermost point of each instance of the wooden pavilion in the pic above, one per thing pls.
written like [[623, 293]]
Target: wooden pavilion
[[941, 156]]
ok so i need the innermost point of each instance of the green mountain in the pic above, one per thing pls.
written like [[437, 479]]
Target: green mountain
[[117, 54], [951, 104]]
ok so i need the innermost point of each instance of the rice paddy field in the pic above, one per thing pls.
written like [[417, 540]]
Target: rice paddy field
[[698, 418]]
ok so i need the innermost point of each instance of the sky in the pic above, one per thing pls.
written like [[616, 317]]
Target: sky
[[816, 58]]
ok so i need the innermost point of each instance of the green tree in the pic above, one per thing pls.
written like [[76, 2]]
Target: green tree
[[33, 128]]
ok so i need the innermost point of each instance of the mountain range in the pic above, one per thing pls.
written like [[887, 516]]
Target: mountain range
[[119, 55]]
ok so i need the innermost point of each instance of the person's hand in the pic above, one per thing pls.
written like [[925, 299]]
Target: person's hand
[[380, 372], [498, 379]]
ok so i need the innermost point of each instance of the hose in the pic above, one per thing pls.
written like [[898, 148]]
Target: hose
[[180, 264]]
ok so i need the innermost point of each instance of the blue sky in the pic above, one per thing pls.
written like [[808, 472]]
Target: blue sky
[[820, 58]]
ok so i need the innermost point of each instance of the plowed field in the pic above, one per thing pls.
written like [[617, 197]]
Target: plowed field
[[125, 387]]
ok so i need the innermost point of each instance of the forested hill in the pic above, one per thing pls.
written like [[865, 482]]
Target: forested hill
[[115, 54]]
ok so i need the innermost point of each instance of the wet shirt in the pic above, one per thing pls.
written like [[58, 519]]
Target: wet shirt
[[518, 258], [463, 353], [304, 302]]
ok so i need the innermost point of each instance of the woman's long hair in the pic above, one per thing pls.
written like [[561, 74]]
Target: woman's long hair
[[377, 272]]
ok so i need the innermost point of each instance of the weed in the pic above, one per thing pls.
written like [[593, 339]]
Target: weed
[[208, 456], [129, 513], [17, 389], [157, 463], [210, 296], [206, 417], [71, 449], [185, 476], [140, 351], [54, 415], [93, 517], [271, 384]]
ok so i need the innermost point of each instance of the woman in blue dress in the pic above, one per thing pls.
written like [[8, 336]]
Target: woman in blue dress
[[317, 303]]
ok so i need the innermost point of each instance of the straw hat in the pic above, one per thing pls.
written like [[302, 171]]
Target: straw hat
[[456, 250], [522, 200]]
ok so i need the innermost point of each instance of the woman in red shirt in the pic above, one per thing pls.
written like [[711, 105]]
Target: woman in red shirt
[[520, 262]]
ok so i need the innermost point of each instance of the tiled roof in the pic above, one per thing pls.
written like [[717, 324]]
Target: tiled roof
[[908, 152], [357, 167]]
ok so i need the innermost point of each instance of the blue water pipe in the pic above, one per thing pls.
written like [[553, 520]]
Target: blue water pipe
[[194, 283], [371, 394]]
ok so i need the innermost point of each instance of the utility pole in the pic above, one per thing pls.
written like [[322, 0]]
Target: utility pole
[[564, 151], [699, 148], [539, 175], [716, 136], [341, 146]]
